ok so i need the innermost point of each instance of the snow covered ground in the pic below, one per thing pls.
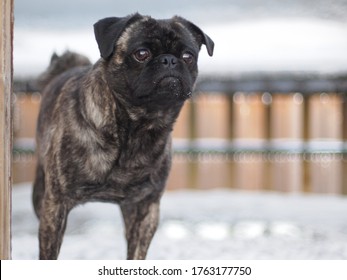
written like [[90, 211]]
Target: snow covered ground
[[218, 224]]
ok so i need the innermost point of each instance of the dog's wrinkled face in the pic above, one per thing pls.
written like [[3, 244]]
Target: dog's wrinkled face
[[151, 62]]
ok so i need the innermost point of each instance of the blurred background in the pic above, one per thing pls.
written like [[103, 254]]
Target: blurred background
[[269, 112], [260, 162]]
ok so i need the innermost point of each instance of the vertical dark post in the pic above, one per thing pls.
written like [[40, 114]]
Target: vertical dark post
[[230, 161], [6, 30], [231, 115], [306, 135], [344, 138], [267, 98], [192, 158]]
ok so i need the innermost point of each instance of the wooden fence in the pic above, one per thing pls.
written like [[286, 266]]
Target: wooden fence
[[6, 38], [285, 133]]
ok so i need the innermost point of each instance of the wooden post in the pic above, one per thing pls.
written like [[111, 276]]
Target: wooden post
[[6, 39]]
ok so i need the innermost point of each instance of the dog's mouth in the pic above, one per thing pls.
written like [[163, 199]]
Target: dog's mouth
[[170, 86], [167, 88], [170, 82]]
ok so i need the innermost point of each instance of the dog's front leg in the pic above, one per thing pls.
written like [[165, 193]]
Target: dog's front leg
[[53, 219], [141, 221]]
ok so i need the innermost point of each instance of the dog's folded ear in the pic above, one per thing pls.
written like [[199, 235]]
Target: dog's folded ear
[[108, 30], [200, 36]]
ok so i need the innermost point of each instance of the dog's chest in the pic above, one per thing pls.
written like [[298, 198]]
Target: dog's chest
[[142, 154], [140, 159], [133, 165]]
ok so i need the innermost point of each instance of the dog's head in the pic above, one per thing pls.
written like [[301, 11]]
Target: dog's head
[[151, 62]]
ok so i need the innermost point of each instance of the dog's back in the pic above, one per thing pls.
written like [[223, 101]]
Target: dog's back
[[60, 64]]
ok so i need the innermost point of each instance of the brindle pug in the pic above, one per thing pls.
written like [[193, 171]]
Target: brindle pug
[[104, 132]]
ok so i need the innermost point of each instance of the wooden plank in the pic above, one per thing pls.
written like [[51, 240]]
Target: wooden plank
[[249, 125], [287, 129], [212, 116], [326, 118], [249, 120], [6, 30]]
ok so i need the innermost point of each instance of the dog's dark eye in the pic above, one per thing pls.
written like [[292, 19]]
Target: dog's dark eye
[[142, 55], [188, 57]]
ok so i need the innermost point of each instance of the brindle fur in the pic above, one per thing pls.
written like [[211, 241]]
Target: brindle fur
[[58, 65], [104, 132]]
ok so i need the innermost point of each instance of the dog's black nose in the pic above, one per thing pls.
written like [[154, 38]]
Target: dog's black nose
[[169, 61]]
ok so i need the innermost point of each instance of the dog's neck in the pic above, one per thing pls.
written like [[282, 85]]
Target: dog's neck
[[141, 118]]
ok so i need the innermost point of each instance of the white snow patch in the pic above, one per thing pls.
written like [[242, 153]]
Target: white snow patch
[[212, 230], [249, 229], [175, 230], [285, 229]]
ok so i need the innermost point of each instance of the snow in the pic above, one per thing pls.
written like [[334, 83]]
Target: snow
[[196, 224], [33, 48], [277, 44], [268, 45]]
